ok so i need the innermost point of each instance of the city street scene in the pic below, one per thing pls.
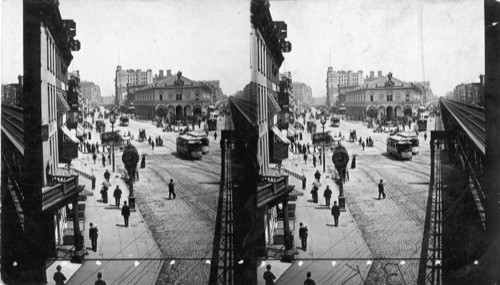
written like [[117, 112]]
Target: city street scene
[[250, 142]]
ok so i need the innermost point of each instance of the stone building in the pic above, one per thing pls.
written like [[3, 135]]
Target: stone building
[[129, 77], [385, 97], [172, 97]]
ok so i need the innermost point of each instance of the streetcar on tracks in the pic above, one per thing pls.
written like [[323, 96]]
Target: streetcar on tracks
[[189, 146], [399, 147], [124, 120], [205, 143], [413, 139], [335, 121]]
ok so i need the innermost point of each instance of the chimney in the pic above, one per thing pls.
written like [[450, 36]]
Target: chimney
[[372, 74], [161, 73], [379, 74], [169, 72]]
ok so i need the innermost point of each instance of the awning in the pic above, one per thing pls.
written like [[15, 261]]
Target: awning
[[62, 105], [291, 131], [272, 105], [79, 130], [280, 135], [69, 135]]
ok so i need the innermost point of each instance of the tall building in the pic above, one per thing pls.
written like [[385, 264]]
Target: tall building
[[471, 93], [302, 92], [334, 79], [129, 77], [91, 92], [12, 94], [35, 191]]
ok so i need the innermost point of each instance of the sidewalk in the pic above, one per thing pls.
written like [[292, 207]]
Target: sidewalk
[[333, 253], [125, 255]]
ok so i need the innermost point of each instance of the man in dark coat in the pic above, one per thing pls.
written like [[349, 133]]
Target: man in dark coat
[[125, 212], [304, 182], [118, 195], [104, 194], [303, 236], [381, 189], [107, 175], [94, 157], [93, 236], [103, 160], [143, 161], [171, 189], [317, 175], [336, 213], [269, 276], [314, 160], [328, 195], [305, 158], [314, 193]]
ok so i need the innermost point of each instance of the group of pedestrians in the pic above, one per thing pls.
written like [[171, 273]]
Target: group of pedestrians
[[60, 278]]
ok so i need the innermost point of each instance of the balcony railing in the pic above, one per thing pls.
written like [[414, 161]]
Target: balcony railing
[[61, 187], [271, 187]]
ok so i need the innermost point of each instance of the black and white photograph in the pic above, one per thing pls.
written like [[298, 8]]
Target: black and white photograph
[[250, 142]]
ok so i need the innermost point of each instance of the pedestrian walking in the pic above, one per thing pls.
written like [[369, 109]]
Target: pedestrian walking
[[125, 212], [353, 162], [99, 280], [103, 160], [305, 158], [94, 156], [97, 147], [58, 276], [314, 160], [309, 281], [336, 213], [269, 276], [304, 179], [93, 148], [381, 189], [363, 145], [314, 148], [328, 195], [425, 136], [303, 235], [104, 194], [308, 148], [215, 135], [300, 135], [171, 189], [314, 193], [118, 195], [143, 161], [319, 155], [107, 175], [93, 236], [152, 145], [317, 175], [93, 182]]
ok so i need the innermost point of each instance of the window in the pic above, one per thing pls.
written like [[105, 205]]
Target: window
[[178, 97], [371, 97], [161, 97], [389, 97], [197, 97], [407, 97]]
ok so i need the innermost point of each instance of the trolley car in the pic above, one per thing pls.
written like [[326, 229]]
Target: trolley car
[[124, 121], [205, 143], [399, 146], [189, 146], [335, 121], [413, 139]]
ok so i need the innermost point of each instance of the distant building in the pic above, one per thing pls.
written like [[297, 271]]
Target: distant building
[[129, 77], [91, 92], [12, 94], [385, 97], [319, 101], [334, 79], [173, 97], [109, 100], [471, 93], [302, 92]]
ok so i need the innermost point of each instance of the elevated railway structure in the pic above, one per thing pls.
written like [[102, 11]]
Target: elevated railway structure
[[460, 135]]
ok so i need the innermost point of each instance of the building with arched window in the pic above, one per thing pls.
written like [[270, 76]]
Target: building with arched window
[[172, 97], [385, 97]]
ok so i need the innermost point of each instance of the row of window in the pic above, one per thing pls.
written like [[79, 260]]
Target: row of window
[[151, 97], [262, 95], [264, 60], [360, 98], [52, 102], [54, 62]]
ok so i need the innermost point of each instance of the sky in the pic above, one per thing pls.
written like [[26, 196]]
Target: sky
[[206, 40], [384, 35]]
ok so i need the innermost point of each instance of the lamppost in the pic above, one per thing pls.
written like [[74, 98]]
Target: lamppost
[[112, 120], [323, 121]]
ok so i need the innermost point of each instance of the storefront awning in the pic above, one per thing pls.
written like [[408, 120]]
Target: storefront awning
[[280, 135], [62, 105], [69, 135], [79, 130], [272, 105], [290, 132]]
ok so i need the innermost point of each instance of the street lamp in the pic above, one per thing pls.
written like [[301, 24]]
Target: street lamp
[[112, 120], [323, 121]]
